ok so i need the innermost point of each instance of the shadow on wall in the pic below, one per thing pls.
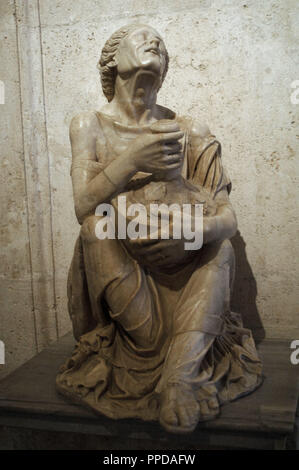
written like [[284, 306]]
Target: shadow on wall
[[245, 291]]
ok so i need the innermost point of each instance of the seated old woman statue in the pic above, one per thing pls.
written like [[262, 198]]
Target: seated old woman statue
[[156, 338]]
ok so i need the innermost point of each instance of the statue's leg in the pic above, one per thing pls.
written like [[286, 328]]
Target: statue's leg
[[116, 279], [197, 321]]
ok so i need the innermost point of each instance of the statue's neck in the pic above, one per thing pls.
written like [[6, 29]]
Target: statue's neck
[[135, 98]]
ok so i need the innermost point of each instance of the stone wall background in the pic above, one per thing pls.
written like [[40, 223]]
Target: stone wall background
[[232, 65]]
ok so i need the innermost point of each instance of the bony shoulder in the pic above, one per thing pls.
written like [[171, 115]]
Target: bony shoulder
[[86, 120], [199, 130], [194, 128]]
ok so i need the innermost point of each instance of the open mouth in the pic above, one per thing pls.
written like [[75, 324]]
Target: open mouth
[[153, 50]]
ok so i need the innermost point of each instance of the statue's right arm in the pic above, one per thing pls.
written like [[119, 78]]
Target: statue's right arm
[[89, 191]]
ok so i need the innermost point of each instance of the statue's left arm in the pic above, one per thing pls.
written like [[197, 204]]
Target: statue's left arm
[[205, 169]]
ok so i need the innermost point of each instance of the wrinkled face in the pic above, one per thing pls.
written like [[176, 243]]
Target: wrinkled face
[[142, 48]]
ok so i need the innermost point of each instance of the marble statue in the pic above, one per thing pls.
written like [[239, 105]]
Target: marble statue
[[156, 338]]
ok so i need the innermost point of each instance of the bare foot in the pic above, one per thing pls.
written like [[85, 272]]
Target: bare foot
[[180, 410]]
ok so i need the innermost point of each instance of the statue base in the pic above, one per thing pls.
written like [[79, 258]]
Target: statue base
[[35, 416]]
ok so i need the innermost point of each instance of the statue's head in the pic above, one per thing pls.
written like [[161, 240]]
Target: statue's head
[[131, 48]]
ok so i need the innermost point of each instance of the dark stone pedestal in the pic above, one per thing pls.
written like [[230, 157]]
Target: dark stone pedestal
[[34, 416]]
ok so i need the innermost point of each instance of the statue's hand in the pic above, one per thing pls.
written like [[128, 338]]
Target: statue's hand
[[159, 253], [157, 152]]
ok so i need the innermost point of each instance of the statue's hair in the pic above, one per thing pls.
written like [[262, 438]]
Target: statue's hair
[[106, 64]]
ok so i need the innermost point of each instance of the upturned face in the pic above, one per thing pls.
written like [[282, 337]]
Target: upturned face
[[142, 48]]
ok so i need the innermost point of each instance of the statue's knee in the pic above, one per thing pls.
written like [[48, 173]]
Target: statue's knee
[[89, 231]]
